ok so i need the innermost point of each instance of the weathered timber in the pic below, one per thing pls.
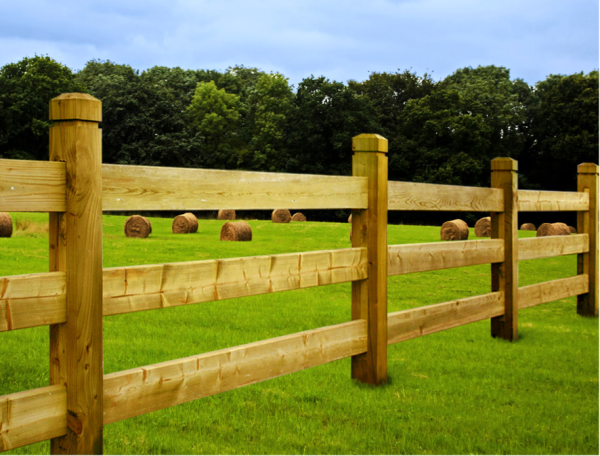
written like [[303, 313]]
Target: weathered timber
[[32, 300], [137, 288], [409, 258], [408, 324], [32, 186], [505, 275], [126, 187], [412, 196], [369, 230], [587, 222], [146, 389], [76, 236], [536, 201], [32, 416], [549, 246], [541, 293]]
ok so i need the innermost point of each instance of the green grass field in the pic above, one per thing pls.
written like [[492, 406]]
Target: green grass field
[[458, 391]]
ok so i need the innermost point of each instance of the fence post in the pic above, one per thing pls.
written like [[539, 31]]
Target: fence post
[[369, 229], [505, 276], [76, 248], [587, 222]]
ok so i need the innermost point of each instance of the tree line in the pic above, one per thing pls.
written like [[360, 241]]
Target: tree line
[[443, 131]]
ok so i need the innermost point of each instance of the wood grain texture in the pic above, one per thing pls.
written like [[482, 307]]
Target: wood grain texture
[[149, 287], [76, 345], [153, 188], [408, 324], [534, 201], [32, 186], [549, 246], [412, 196], [32, 416], [505, 275], [409, 258], [146, 389], [32, 300], [369, 227], [541, 293], [587, 222]]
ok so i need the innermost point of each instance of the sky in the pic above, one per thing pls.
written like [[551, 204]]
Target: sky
[[342, 40]]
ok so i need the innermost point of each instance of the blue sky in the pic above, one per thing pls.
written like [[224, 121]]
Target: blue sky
[[341, 40]]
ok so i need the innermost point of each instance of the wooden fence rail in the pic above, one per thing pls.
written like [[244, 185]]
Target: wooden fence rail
[[74, 188]]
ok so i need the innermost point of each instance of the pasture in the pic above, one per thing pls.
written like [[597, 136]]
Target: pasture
[[457, 391]]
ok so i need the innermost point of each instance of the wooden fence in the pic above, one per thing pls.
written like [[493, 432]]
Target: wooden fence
[[74, 187]]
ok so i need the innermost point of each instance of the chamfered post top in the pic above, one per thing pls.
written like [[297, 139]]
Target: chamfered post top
[[76, 106], [369, 143], [587, 168], [505, 164]]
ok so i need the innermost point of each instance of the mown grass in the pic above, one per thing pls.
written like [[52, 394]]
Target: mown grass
[[457, 392]]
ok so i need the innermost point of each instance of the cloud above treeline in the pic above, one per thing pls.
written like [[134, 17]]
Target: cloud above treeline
[[340, 40]]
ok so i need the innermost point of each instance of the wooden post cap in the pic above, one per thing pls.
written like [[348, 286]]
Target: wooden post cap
[[587, 168], [76, 106], [505, 164], [369, 143]]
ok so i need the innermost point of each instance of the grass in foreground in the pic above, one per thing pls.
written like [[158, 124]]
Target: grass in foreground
[[458, 391]]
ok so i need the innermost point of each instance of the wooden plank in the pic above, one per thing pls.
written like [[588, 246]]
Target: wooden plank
[[152, 188], [408, 324], [535, 200], [369, 227], [146, 389], [149, 287], [550, 246], [76, 345], [409, 258], [32, 416], [587, 222], [413, 196], [541, 293], [32, 186], [32, 300], [505, 275]]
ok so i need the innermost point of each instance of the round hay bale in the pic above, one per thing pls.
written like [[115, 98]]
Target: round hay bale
[[137, 226], [298, 217], [528, 227], [572, 229], [350, 219], [236, 231], [483, 227], [185, 223], [562, 228], [281, 216], [6, 225], [226, 214], [454, 230], [552, 229]]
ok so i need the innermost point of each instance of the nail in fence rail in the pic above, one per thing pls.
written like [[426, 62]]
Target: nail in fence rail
[[72, 301]]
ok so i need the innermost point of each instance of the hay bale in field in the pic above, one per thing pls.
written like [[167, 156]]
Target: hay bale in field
[[185, 223], [6, 225], [454, 230], [236, 231], [281, 216], [483, 227], [572, 229], [552, 229], [528, 227], [298, 217], [226, 214], [138, 226], [350, 219]]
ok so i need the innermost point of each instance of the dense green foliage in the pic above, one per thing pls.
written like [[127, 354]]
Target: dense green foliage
[[243, 118], [454, 392]]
